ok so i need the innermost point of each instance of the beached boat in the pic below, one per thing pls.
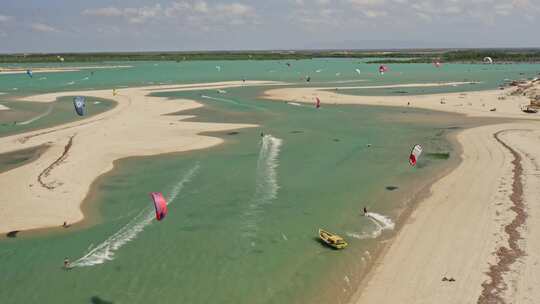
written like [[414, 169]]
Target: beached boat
[[332, 240]]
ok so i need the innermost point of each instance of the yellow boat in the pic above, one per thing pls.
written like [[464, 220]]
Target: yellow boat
[[332, 240]]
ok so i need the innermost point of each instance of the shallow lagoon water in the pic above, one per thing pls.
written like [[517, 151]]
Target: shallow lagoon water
[[242, 227]]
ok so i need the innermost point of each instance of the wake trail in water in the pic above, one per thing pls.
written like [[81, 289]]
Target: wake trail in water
[[105, 251], [381, 223], [40, 116], [266, 183]]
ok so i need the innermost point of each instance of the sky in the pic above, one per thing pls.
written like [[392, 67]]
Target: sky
[[189, 25]]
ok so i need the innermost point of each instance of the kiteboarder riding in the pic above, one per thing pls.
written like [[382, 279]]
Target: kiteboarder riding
[[365, 211]]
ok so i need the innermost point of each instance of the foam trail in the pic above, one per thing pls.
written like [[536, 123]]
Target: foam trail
[[40, 116], [266, 188], [294, 104], [381, 223], [105, 251]]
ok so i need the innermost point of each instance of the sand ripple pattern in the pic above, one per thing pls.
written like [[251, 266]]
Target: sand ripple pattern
[[105, 251], [266, 183]]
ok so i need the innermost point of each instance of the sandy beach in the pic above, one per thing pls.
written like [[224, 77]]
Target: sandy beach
[[49, 190], [11, 70], [474, 104], [474, 239], [458, 232]]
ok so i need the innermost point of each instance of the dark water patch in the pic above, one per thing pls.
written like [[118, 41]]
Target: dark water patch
[[440, 155], [99, 300], [233, 133], [391, 188], [12, 160], [12, 234], [336, 140], [296, 132]]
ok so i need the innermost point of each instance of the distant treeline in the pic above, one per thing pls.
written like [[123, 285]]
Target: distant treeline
[[393, 56], [471, 56]]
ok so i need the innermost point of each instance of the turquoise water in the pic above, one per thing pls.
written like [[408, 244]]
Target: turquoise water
[[29, 116], [243, 216], [144, 73]]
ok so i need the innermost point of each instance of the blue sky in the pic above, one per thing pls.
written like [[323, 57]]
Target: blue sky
[[183, 25]]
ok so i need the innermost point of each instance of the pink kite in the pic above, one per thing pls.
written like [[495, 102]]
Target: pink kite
[[160, 204]]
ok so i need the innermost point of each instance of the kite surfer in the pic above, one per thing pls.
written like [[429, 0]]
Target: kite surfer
[[365, 211], [66, 263]]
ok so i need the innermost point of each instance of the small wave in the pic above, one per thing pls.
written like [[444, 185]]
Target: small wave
[[49, 110], [381, 223], [266, 183], [105, 251], [294, 104]]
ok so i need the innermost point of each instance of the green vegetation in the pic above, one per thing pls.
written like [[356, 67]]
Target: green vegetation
[[394, 56], [472, 56], [445, 155]]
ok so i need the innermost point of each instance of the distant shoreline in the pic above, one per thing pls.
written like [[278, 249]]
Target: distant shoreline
[[19, 70], [417, 55]]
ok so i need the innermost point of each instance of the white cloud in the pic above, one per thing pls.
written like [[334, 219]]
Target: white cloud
[[185, 12], [42, 27], [103, 12], [5, 19]]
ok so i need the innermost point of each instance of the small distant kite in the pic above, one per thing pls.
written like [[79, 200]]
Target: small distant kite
[[383, 69], [488, 60]]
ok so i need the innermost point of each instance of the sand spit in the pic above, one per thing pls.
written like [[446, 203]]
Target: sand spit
[[49, 190]]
